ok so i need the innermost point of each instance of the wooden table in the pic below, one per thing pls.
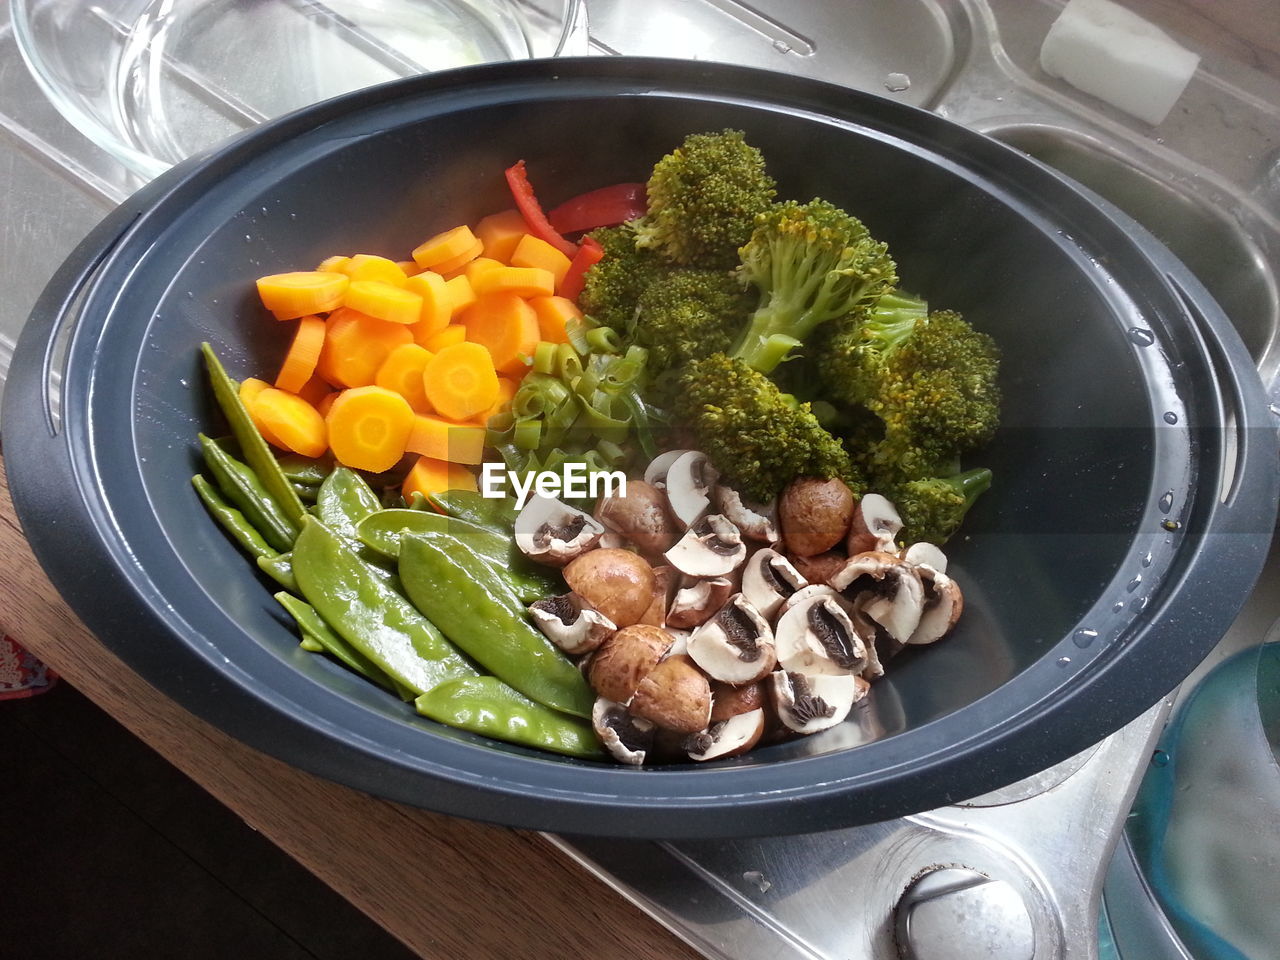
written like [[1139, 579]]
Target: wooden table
[[445, 887]]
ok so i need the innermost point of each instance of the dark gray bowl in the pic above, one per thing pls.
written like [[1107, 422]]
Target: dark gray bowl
[[1126, 526]]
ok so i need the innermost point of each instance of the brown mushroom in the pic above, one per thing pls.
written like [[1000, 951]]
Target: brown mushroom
[[727, 738], [665, 581], [874, 526], [943, 604], [885, 588], [696, 601], [625, 659], [675, 695], [569, 624], [618, 583], [640, 514], [729, 700], [821, 567], [554, 533], [712, 547], [815, 514]]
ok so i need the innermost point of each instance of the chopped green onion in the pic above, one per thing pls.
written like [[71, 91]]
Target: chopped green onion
[[603, 340], [527, 434], [544, 357]]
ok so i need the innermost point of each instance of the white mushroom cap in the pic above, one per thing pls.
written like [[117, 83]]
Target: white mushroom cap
[[712, 547], [627, 738], [807, 704], [925, 555], [695, 603], [768, 579], [554, 533], [689, 482], [819, 636], [734, 646], [943, 604], [757, 521], [875, 525], [656, 472], [728, 738], [896, 599], [570, 624], [808, 593]]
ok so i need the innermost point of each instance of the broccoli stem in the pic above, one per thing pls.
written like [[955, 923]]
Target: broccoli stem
[[971, 484]]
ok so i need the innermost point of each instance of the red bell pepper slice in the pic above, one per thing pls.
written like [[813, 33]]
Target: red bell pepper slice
[[604, 207], [589, 254], [531, 210]]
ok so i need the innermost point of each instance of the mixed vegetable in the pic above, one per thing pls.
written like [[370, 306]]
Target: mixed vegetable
[[776, 423]]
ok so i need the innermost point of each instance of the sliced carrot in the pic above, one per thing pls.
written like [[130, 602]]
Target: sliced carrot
[[442, 439], [428, 476], [478, 266], [402, 372], [297, 423], [460, 381], [337, 264], [314, 390], [293, 295], [300, 361], [250, 387], [408, 267], [553, 314], [366, 266], [461, 293], [522, 281], [506, 326], [500, 232], [444, 247], [437, 304], [453, 333], [534, 252], [355, 346], [326, 403], [368, 427], [454, 264], [383, 300], [506, 390]]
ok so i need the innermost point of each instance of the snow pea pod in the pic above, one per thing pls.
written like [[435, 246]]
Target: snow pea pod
[[305, 470], [444, 581], [487, 706], [232, 520], [382, 531], [312, 625], [370, 615], [496, 513], [280, 569], [254, 449], [242, 486], [343, 500]]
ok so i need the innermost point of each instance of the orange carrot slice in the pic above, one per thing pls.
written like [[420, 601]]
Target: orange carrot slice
[[383, 300], [300, 361], [293, 295], [460, 381], [522, 281], [500, 232], [250, 387], [553, 314], [454, 264], [326, 403], [506, 390], [444, 247], [533, 251], [314, 390], [428, 476], [366, 266], [478, 266], [453, 333], [461, 293], [368, 427], [437, 304], [337, 264], [408, 267], [355, 346], [402, 372], [297, 423], [506, 326], [441, 439]]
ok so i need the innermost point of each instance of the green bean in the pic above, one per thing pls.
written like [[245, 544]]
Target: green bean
[[244, 489], [375, 619], [487, 706], [311, 624], [254, 449], [305, 470], [280, 569], [305, 491], [232, 520], [444, 582]]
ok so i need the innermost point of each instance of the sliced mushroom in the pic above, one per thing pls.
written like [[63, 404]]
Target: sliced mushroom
[[896, 595], [736, 645], [807, 704], [803, 594], [712, 547], [694, 604], [679, 642], [656, 472], [554, 533], [815, 514], [675, 695], [627, 738], [639, 513], [612, 540], [820, 567], [689, 480], [727, 738], [757, 521], [768, 579], [943, 604], [665, 581], [618, 583], [570, 624], [925, 555], [730, 699], [875, 525], [625, 659], [818, 636]]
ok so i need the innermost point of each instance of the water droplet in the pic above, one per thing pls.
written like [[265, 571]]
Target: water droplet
[[1084, 637], [183, 381], [756, 877], [1142, 336], [1275, 409], [1146, 561], [248, 239], [1159, 759], [1139, 604], [264, 211], [293, 216], [1117, 606], [1064, 661], [190, 295], [1166, 501], [1171, 525], [1170, 417], [782, 46], [1134, 584], [897, 82]]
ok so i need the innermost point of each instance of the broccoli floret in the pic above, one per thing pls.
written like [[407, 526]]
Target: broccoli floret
[[931, 510], [703, 199], [689, 314], [812, 263], [613, 285], [852, 352], [758, 437], [937, 395]]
